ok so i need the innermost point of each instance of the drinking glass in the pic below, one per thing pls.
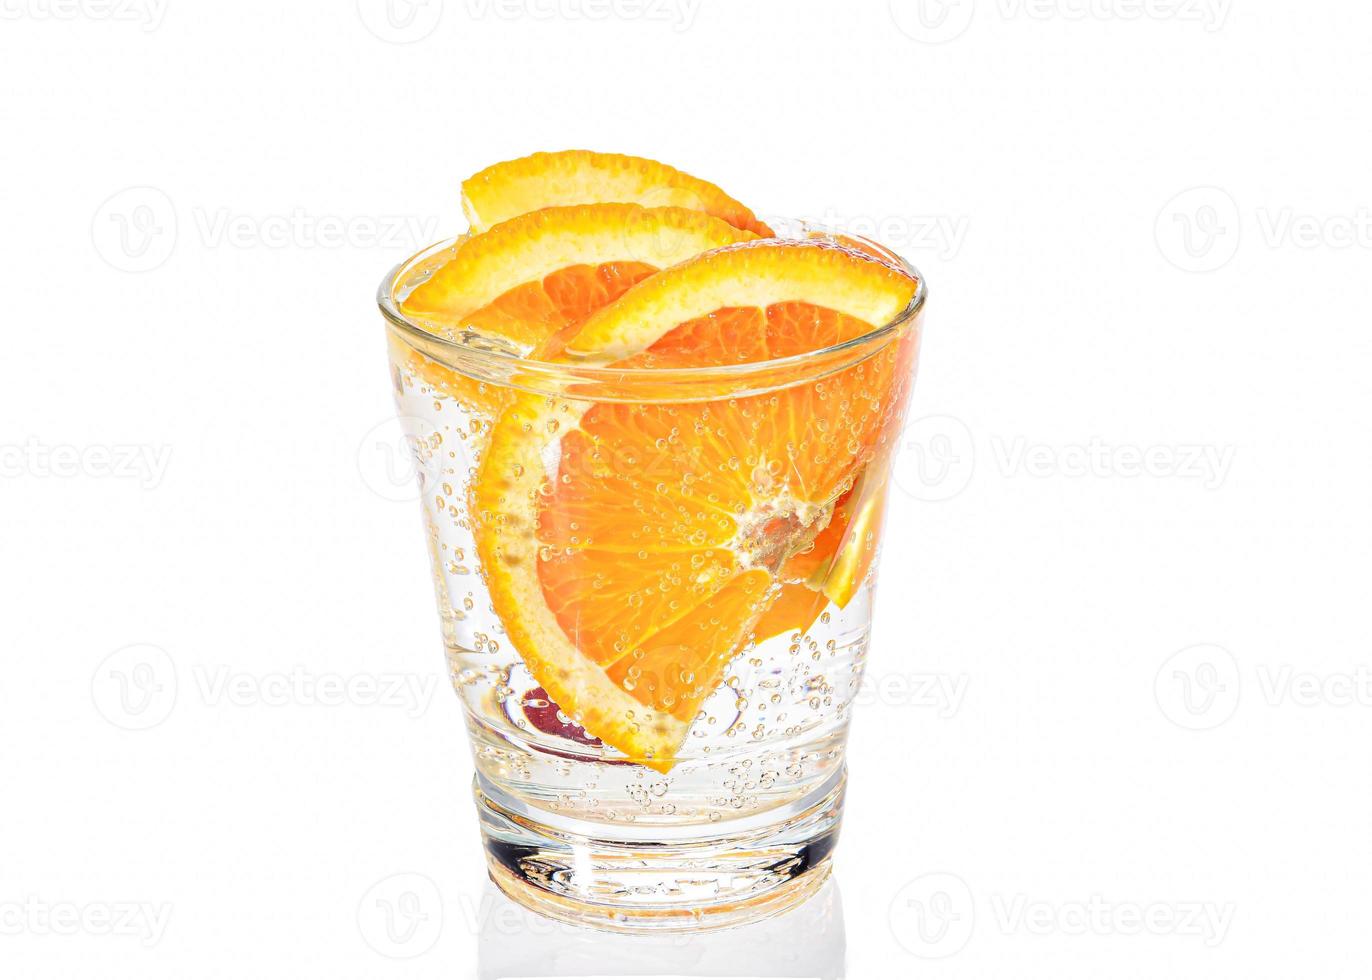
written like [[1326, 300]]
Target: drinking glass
[[740, 820]]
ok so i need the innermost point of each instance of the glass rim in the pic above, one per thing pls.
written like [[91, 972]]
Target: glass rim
[[501, 361]]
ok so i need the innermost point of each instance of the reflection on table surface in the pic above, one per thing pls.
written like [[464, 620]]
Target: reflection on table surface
[[807, 942]]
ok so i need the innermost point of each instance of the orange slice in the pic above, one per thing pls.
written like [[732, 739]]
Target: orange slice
[[546, 180], [509, 265], [534, 275], [631, 548]]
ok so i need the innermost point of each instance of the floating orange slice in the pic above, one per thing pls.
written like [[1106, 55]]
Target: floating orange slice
[[532, 276], [546, 180], [630, 548]]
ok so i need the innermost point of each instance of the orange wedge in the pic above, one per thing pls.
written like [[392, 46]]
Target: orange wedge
[[543, 180], [532, 276], [631, 548]]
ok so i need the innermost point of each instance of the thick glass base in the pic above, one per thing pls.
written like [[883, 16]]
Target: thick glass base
[[675, 879]]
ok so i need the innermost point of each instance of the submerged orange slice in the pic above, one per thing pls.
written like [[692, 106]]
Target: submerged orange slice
[[546, 180], [543, 272], [631, 548]]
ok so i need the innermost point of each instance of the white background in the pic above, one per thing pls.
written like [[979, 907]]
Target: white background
[[1134, 531]]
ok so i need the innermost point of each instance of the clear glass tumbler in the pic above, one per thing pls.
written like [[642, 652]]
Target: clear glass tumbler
[[722, 803]]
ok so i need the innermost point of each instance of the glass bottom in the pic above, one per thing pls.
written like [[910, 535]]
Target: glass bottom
[[681, 879]]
